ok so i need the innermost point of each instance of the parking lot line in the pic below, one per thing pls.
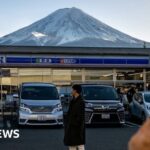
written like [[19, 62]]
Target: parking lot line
[[132, 124]]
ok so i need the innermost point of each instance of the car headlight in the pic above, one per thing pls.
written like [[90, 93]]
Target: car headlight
[[148, 107], [24, 107], [57, 108], [88, 105]]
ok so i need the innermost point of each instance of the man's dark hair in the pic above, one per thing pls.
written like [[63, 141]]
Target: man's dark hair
[[77, 87]]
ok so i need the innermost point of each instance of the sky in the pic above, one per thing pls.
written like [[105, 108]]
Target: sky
[[129, 16]]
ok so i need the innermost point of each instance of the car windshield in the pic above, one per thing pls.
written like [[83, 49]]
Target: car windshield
[[39, 93], [99, 93], [147, 97]]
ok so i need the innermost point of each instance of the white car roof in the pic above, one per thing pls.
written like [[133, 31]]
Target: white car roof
[[100, 85], [37, 84]]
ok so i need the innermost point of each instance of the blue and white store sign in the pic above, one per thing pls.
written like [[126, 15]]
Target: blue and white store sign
[[76, 61]]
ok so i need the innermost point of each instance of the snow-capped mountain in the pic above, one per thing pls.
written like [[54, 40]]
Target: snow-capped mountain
[[70, 27]]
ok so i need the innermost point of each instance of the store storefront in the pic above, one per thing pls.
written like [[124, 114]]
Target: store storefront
[[64, 66]]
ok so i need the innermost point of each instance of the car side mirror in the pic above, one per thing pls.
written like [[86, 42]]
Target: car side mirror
[[65, 99], [62, 96]]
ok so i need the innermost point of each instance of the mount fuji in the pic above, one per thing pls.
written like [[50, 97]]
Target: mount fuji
[[70, 27]]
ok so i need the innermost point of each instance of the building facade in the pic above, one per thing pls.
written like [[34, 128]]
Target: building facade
[[66, 65]]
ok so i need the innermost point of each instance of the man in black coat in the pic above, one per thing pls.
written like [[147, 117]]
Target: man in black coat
[[75, 125]]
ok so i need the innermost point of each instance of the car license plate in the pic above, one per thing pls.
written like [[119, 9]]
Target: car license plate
[[41, 118], [105, 116]]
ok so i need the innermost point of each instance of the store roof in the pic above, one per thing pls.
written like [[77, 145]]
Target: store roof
[[74, 50]]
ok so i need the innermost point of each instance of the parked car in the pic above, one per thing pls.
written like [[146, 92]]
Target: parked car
[[39, 104], [140, 105], [103, 105], [8, 103]]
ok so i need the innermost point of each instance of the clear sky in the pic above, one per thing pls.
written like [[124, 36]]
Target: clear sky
[[129, 16]]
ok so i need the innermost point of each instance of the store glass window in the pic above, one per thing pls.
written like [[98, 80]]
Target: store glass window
[[133, 74], [30, 75], [67, 75], [148, 76], [98, 75], [14, 76], [148, 79]]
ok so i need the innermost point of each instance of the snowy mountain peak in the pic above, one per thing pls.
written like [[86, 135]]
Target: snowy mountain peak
[[70, 27]]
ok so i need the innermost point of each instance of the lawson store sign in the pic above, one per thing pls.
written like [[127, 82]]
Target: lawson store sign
[[72, 60]]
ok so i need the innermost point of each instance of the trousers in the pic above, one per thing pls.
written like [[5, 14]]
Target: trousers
[[78, 147]]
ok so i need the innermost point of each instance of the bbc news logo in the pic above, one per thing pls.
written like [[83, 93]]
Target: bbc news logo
[[9, 134]]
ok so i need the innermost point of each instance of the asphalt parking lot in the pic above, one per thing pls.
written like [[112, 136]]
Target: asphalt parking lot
[[106, 137], [98, 138]]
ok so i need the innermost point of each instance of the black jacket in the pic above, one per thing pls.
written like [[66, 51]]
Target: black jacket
[[75, 124]]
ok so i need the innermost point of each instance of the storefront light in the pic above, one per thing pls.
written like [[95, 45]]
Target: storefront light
[[107, 75], [141, 75]]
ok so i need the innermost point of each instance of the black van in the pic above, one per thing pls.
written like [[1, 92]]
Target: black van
[[103, 105]]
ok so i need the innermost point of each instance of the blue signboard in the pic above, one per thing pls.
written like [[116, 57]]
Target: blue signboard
[[56, 60], [18, 60], [77, 61]]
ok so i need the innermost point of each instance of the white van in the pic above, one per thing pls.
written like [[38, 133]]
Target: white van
[[39, 104]]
